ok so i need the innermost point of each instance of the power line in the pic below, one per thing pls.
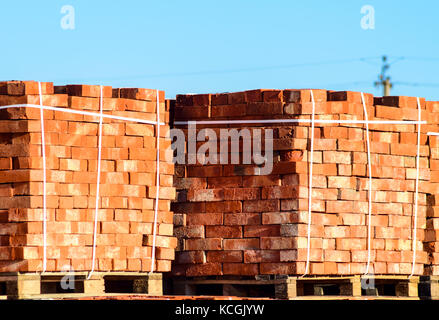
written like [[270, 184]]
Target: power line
[[418, 84], [225, 71], [422, 58]]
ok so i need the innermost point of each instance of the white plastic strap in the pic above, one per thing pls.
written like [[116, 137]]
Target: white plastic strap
[[311, 160], [299, 121], [101, 115], [43, 153], [157, 192], [97, 186], [370, 186], [85, 113], [415, 226]]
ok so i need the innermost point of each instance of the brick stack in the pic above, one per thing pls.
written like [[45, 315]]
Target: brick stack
[[431, 244], [128, 180], [232, 221]]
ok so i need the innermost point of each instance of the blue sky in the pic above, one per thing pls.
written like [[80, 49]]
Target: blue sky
[[216, 46]]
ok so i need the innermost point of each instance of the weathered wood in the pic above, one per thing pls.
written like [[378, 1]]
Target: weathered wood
[[293, 287], [429, 288], [34, 285]]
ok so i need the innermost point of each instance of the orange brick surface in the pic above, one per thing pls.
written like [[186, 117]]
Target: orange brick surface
[[231, 221], [127, 190]]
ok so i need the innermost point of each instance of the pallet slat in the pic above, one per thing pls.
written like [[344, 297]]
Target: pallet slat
[[33, 285], [292, 287]]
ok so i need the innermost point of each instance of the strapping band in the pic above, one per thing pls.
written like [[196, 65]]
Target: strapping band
[[370, 186], [43, 153], [415, 226], [353, 121], [156, 207], [85, 113], [97, 187], [311, 160]]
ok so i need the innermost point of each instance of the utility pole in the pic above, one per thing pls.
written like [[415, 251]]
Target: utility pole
[[383, 79]]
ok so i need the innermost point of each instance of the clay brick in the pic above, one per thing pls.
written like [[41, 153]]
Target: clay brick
[[339, 206], [240, 269], [224, 256], [257, 256], [242, 219], [223, 182], [299, 96], [279, 268], [205, 219], [261, 231], [204, 244], [141, 94], [336, 256], [240, 244], [261, 206], [278, 243], [254, 95], [279, 217], [201, 99], [206, 171], [260, 181], [337, 232], [336, 157], [342, 182], [205, 269], [223, 232], [236, 98], [191, 257], [219, 99]]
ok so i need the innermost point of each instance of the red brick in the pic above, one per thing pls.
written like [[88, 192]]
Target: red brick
[[254, 95], [205, 218], [300, 96], [337, 256], [261, 206], [260, 181], [272, 95], [236, 98], [240, 269], [261, 231], [190, 257], [240, 244], [242, 194], [205, 269], [336, 157], [242, 219], [219, 99], [203, 244], [223, 231], [224, 256], [278, 243], [279, 268], [256, 256]]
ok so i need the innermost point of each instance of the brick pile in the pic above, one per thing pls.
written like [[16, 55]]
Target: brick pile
[[231, 221], [431, 243], [128, 180]]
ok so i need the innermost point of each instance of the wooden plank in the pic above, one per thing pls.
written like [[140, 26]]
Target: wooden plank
[[26, 285]]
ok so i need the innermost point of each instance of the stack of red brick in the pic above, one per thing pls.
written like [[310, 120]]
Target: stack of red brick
[[232, 221], [128, 180], [431, 244]]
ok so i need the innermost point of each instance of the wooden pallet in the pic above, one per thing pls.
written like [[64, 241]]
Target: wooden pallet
[[35, 285], [292, 287], [429, 288]]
